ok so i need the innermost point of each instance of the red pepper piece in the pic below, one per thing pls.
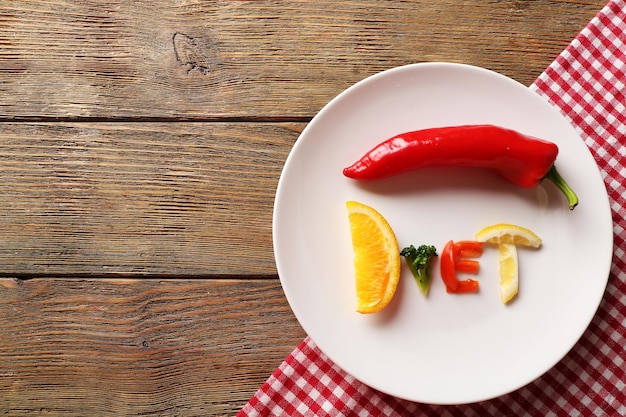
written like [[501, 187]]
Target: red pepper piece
[[468, 249], [468, 266], [520, 159], [451, 262], [448, 273], [465, 286]]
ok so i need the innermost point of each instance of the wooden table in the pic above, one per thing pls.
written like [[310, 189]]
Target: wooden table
[[141, 143]]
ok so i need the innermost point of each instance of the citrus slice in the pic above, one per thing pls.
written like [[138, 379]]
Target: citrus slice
[[509, 282], [509, 233], [376, 257]]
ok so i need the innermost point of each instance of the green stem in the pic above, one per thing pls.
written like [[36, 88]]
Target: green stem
[[554, 176]]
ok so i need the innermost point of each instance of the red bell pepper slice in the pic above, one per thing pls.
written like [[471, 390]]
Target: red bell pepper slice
[[450, 264], [448, 273], [468, 285], [468, 249], [468, 266]]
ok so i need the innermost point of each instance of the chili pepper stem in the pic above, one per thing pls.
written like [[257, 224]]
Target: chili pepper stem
[[554, 176]]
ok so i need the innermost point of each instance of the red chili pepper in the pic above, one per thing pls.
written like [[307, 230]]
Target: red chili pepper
[[520, 159], [449, 265]]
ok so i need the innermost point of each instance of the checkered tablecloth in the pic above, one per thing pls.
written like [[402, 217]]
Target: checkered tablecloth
[[588, 83]]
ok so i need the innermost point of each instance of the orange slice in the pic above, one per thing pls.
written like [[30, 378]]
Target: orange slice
[[509, 233], [376, 258]]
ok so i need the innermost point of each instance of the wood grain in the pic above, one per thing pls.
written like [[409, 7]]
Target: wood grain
[[139, 347], [144, 140], [253, 59], [175, 199]]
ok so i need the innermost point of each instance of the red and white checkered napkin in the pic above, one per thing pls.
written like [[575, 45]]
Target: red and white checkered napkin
[[588, 83]]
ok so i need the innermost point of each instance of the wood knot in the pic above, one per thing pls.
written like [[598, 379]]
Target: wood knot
[[191, 55]]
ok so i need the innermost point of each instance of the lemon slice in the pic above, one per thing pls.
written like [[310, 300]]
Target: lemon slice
[[509, 281], [508, 233], [376, 257]]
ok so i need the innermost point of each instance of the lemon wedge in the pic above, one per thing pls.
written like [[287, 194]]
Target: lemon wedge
[[509, 279], [508, 233], [508, 237]]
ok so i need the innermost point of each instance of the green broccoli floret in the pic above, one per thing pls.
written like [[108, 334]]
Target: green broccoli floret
[[420, 261]]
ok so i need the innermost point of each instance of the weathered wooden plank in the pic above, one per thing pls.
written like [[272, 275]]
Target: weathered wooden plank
[[200, 59], [139, 347], [140, 198]]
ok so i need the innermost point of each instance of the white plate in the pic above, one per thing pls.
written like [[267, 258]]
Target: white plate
[[441, 349]]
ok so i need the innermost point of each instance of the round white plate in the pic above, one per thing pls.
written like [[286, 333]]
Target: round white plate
[[443, 348]]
